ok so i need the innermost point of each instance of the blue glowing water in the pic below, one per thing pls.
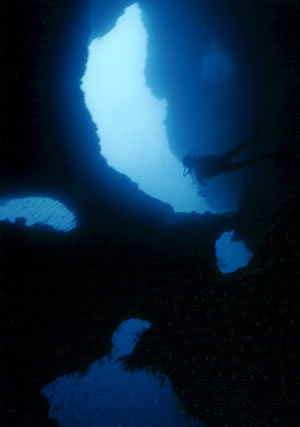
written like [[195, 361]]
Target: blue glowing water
[[109, 396], [231, 255], [38, 210], [130, 120]]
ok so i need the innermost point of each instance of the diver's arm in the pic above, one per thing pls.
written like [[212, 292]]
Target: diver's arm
[[202, 181], [187, 171]]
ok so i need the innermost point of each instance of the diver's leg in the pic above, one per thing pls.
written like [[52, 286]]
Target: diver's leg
[[229, 154], [245, 163], [254, 140]]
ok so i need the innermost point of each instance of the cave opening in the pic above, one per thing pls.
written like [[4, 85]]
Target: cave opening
[[108, 395], [33, 210], [132, 123], [231, 255], [130, 120]]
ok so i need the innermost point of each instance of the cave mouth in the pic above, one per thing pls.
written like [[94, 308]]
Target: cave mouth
[[131, 124], [32, 210], [130, 121], [108, 395], [231, 255]]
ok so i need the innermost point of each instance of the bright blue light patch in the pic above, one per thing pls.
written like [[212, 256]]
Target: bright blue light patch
[[108, 396], [231, 255], [130, 120], [38, 210], [216, 65], [125, 337]]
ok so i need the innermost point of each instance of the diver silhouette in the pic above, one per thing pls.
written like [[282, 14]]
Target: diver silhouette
[[209, 166]]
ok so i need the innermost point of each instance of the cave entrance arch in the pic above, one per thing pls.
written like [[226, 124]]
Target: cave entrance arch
[[129, 119]]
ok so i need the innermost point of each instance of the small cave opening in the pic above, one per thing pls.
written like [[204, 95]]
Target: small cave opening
[[32, 210], [231, 255], [108, 395]]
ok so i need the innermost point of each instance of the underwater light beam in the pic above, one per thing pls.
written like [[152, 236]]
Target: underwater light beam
[[129, 119]]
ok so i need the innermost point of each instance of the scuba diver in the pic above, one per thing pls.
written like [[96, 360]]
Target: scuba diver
[[209, 166]]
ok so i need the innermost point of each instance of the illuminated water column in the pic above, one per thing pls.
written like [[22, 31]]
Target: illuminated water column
[[129, 119]]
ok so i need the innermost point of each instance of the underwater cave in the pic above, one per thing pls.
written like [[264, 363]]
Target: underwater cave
[[105, 218]]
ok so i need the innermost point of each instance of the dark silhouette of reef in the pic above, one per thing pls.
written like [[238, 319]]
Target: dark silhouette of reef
[[228, 343]]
